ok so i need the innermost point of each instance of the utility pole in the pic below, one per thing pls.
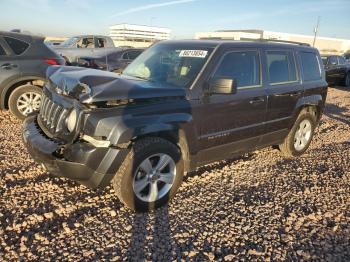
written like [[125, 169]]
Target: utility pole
[[316, 30]]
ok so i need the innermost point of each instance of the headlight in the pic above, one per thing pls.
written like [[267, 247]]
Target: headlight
[[71, 120]]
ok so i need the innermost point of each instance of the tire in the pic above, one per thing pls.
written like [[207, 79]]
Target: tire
[[294, 145], [19, 106], [347, 80], [130, 174]]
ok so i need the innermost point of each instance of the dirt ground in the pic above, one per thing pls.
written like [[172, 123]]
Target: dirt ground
[[260, 206]]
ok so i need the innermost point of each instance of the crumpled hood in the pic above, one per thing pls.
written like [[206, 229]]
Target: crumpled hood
[[105, 86]]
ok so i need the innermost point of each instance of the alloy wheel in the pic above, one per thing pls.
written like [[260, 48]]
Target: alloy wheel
[[28, 102], [154, 177], [302, 135]]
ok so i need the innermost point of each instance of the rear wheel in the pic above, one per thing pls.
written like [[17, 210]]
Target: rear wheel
[[150, 175], [300, 136], [25, 100]]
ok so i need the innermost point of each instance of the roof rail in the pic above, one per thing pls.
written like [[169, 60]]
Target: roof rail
[[283, 41]]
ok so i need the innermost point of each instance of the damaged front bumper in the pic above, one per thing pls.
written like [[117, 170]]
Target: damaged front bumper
[[81, 161]]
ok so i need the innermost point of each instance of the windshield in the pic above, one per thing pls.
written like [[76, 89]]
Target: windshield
[[69, 41], [324, 60], [169, 64]]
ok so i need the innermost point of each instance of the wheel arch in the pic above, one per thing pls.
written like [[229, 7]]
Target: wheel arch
[[10, 87], [313, 104], [175, 136]]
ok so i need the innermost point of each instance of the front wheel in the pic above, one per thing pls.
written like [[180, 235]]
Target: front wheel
[[150, 175], [300, 136], [25, 100]]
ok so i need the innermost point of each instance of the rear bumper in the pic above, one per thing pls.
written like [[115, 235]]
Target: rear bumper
[[81, 161]]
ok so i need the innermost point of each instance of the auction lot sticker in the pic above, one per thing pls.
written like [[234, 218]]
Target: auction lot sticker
[[193, 53]]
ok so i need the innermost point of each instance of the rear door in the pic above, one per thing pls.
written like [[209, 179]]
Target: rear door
[[284, 89], [234, 122], [342, 67], [9, 65], [332, 69]]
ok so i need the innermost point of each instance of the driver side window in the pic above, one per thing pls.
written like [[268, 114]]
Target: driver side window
[[86, 42], [244, 67]]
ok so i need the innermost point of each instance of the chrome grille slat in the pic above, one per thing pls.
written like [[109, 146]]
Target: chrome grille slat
[[43, 105], [55, 116], [49, 115], [52, 115], [45, 110], [61, 119]]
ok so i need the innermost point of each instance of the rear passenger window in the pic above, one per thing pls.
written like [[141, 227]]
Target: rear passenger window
[[2, 51], [101, 42], [244, 67], [17, 46], [311, 66], [281, 67]]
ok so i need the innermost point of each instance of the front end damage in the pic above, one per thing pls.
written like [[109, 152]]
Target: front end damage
[[86, 122]]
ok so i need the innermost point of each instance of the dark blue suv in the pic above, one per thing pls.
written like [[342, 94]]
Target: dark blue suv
[[177, 106]]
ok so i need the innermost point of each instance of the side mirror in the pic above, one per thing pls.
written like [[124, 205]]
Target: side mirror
[[223, 85]]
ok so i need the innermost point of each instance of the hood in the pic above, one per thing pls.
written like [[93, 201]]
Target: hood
[[90, 85]]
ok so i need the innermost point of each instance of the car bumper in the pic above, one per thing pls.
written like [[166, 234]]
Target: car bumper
[[88, 165]]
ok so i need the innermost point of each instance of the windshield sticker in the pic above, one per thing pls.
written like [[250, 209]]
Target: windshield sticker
[[193, 53]]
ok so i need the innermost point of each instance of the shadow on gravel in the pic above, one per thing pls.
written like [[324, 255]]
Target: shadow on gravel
[[218, 165], [161, 246], [337, 113]]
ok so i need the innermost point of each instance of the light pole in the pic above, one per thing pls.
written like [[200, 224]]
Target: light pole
[[316, 31]]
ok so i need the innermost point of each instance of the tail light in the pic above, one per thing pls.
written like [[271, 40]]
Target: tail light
[[52, 61]]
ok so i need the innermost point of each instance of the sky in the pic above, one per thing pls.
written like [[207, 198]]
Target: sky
[[183, 17]]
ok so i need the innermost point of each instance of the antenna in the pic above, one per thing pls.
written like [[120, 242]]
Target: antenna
[[316, 30]]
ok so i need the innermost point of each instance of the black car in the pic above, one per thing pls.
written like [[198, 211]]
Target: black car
[[347, 57], [179, 105], [337, 70], [23, 63], [115, 61]]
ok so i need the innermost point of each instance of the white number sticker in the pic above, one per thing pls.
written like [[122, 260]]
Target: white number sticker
[[193, 53]]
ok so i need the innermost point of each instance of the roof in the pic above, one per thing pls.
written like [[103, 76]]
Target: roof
[[235, 43], [24, 36]]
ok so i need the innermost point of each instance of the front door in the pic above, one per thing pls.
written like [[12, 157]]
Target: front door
[[233, 123]]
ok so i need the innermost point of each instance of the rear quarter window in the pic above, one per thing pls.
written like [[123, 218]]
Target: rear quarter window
[[311, 66], [17, 46]]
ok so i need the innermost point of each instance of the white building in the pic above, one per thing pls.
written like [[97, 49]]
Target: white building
[[137, 35], [324, 44]]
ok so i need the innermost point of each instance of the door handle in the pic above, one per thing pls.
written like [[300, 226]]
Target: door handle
[[258, 100], [8, 66]]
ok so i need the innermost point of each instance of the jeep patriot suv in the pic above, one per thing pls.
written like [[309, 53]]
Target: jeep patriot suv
[[179, 105]]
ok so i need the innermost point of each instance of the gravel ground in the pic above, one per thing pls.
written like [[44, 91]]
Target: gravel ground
[[258, 207]]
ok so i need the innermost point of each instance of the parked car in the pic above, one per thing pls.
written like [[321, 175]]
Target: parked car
[[347, 57], [179, 105], [337, 70], [115, 61], [23, 63], [84, 45]]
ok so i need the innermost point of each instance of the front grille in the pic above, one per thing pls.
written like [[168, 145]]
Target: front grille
[[52, 115]]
